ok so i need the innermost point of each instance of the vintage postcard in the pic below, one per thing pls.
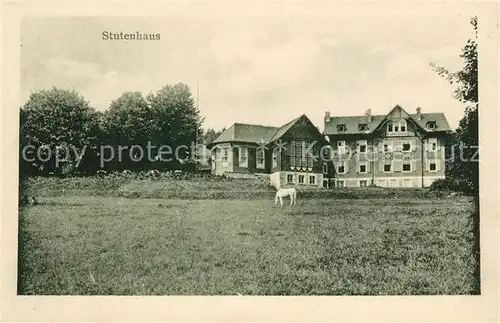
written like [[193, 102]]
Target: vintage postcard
[[239, 161]]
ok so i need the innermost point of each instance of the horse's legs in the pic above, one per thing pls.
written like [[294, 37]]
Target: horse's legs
[[281, 201]]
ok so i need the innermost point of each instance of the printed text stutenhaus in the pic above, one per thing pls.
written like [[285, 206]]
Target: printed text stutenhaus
[[106, 35]]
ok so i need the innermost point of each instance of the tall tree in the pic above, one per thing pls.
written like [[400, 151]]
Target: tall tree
[[129, 121], [465, 143], [58, 118], [177, 120], [465, 166]]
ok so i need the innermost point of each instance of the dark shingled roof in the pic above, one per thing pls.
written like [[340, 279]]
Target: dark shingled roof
[[283, 129], [254, 133], [352, 123], [246, 133]]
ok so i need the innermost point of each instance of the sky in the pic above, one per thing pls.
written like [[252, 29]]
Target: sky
[[257, 69]]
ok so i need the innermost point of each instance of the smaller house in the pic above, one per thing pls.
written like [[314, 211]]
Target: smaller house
[[289, 154]]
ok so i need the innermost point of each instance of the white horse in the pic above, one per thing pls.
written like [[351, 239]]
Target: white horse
[[284, 192]]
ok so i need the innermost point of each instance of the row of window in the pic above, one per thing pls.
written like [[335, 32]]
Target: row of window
[[388, 166], [299, 159], [387, 146], [403, 182], [392, 127], [243, 157], [290, 178]]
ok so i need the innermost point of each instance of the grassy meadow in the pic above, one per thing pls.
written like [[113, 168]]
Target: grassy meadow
[[167, 237]]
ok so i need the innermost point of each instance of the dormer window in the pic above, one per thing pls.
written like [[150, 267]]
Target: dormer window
[[363, 127], [402, 126], [397, 126], [431, 125], [341, 128]]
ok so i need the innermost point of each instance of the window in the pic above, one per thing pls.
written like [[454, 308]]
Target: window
[[289, 178], [243, 157], [433, 166], [213, 160], [326, 152], [406, 146], [362, 127], [341, 169], [362, 146], [341, 128], [406, 166], [301, 179], [325, 168], [402, 125], [340, 184], [387, 148], [362, 167], [224, 156], [341, 147], [275, 157], [299, 155], [312, 179], [363, 183], [432, 144], [388, 166], [260, 158], [431, 124], [394, 127]]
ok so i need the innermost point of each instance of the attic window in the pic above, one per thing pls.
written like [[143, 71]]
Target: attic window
[[431, 124], [341, 128], [363, 127]]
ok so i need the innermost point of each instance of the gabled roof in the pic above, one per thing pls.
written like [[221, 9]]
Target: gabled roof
[[240, 132], [441, 122], [283, 129], [246, 133], [352, 123]]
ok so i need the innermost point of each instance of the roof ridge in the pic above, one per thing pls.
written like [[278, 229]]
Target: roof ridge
[[288, 124], [382, 115], [254, 125]]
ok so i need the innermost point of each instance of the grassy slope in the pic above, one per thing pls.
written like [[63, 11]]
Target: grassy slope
[[322, 246]]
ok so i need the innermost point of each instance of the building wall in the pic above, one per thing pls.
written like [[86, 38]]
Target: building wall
[[280, 179], [418, 157], [221, 166], [251, 164]]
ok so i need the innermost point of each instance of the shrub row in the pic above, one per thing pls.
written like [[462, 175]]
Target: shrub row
[[202, 187]]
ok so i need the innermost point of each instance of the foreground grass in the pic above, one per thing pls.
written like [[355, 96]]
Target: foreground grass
[[91, 245]]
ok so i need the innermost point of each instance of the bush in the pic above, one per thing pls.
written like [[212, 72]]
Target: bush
[[444, 185]]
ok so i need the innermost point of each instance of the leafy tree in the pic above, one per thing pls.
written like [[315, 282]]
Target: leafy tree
[[464, 168], [58, 118], [177, 120], [128, 121]]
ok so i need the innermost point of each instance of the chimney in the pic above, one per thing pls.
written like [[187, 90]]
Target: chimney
[[368, 113], [327, 116], [419, 115]]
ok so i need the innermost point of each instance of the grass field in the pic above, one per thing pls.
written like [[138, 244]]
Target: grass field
[[87, 245]]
